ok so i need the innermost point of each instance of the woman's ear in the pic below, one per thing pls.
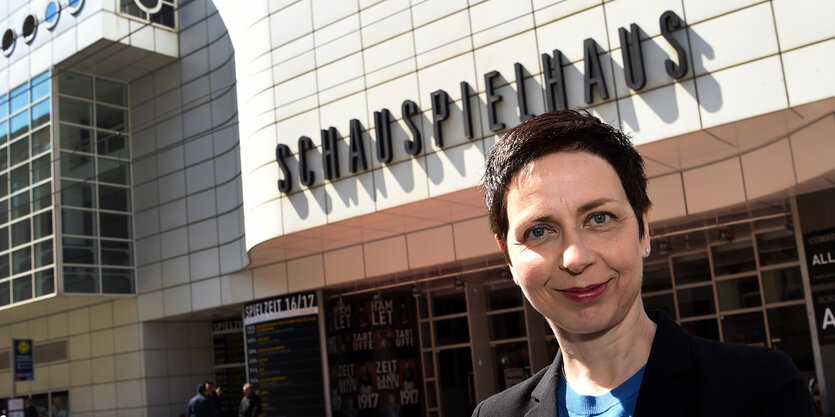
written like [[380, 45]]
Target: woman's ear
[[645, 237]]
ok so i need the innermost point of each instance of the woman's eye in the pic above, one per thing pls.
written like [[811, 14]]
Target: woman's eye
[[537, 232], [600, 218]]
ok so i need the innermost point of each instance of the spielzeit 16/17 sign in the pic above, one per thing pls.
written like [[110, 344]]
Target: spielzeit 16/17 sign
[[283, 354], [820, 261]]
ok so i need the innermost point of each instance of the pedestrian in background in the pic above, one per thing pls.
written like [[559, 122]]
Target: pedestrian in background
[[199, 405], [250, 403]]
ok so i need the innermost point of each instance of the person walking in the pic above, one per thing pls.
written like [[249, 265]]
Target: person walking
[[200, 405], [250, 403], [214, 398]]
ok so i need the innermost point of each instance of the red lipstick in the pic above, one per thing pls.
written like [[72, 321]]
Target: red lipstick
[[585, 294]]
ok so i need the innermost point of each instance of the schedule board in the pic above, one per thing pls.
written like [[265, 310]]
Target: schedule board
[[284, 357]]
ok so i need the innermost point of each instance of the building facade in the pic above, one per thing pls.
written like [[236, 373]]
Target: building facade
[[172, 171]]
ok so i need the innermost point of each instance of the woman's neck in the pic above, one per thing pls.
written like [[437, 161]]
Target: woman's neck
[[595, 364]]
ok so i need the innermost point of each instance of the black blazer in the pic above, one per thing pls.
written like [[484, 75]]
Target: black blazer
[[685, 376]]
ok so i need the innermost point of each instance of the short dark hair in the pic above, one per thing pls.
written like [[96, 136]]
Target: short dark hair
[[561, 131], [201, 389]]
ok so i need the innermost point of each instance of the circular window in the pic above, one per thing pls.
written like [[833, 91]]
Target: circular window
[[8, 41], [50, 16], [30, 27], [75, 6], [149, 6]]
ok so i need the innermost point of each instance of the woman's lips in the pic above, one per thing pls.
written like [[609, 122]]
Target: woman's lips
[[585, 294]]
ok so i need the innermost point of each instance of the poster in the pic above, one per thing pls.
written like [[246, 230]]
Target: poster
[[820, 255], [23, 362], [284, 358], [373, 356]]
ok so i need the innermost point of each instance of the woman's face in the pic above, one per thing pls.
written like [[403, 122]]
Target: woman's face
[[573, 242]]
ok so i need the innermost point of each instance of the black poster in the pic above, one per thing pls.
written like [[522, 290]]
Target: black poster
[[284, 362], [373, 356], [820, 255], [824, 304]]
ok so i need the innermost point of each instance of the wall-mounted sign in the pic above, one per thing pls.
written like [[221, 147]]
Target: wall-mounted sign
[[283, 354], [820, 255], [24, 369], [554, 93], [824, 304], [230, 362], [373, 356]]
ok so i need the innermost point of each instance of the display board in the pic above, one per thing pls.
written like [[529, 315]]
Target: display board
[[284, 357], [373, 356], [230, 363]]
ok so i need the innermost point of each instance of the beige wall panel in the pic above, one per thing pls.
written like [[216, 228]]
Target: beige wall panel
[[714, 186], [768, 170], [305, 273], [430, 247], [270, 280], [385, 256], [344, 265], [813, 148], [667, 196], [473, 238]]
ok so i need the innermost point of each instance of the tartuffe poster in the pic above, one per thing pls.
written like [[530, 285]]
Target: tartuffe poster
[[373, 356]]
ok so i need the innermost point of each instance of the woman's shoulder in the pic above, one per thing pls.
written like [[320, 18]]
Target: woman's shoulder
[[516, 400]]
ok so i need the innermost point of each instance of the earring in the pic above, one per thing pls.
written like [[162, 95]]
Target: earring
[[648, 251]]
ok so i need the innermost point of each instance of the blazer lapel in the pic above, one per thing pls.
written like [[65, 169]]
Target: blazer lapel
[[544, 395], [666, 388]]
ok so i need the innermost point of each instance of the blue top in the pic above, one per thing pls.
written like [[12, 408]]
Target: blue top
[[619, 402]]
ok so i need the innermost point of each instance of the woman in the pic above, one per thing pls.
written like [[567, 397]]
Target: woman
[[566, 196]]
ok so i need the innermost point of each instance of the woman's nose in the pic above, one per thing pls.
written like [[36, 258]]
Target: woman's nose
[[576, 257]]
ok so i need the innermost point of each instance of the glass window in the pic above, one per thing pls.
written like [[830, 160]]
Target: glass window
[[19, 98], [76, 166], [41, 141], [111, 118], [452, 331], [20, 178], [4, 158], [450, 303], [41, 169], [789, 329], [80, 280], [776, 247], [19, 151], [664, 302], [117, 281], [116, 198], [4, 186], [738, 293], [5, 293], [79, 251], [116, 253], [507, 325], [114, 171], [165, 16], [111, 92], [748, 328], [691, 268], [76, 138], [4, 238], [19, 124], [506, 296], [5, 266], [76, 111], [42, 196], [733, 258], [40, 86], [4, 131], [77, 194], [114, 145], [44, 282], [42, 224], [782, 284], [707, 328], [40, 113], [20, 233], [21, 260], [22, 288], [74, 84], [4, 106], [43, 253], [78, 222], [656, 277], [696, 301], [512, 363], [20, 205], [115, 225]]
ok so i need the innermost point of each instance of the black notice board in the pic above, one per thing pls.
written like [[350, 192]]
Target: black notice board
[[233, 377], [230, 362], [284, 357]]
